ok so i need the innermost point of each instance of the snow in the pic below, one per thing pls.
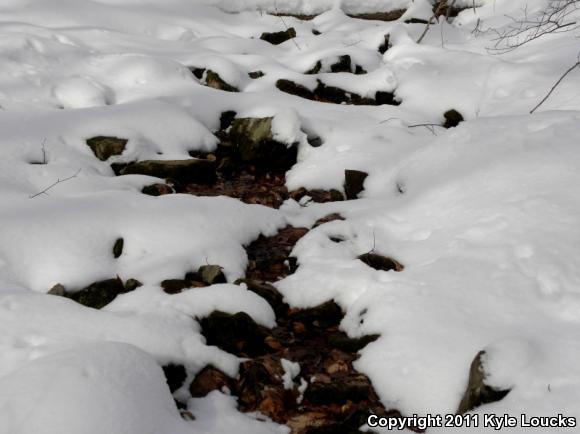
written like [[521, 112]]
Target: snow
[[483, 216], [291, 371]]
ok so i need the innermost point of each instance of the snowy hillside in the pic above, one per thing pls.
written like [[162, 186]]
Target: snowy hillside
[[260, 216]]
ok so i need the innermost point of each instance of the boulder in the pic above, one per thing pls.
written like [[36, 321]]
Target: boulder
[[208, 380], [452, 118], [477, 392], [354, 183], [380, 262], [238, 334], [105, 147], [276, 38], [191, 170], [255, 143]]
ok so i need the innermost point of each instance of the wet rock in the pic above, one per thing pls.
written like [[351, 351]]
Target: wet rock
[[381, 16], [326, 315], [238, 334], [288, 86], [255, 144], [118, 247], [213, 80], [268, 293], [208, 380], [342, 342], [452, 118], [354, 183], [226, 119], [191, 170], [105, 147], [175, 376], [477, 392], [175, 286], [211, 274], [57, 289], [353, 388], [157, 190], [99, 294], [385, 45], [380, 262], [277, 38], [256, 74]]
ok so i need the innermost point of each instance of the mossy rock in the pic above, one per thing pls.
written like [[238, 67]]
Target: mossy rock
[[211, 274], [477, 392], [452, 118], [105, 147], [213, 80], [255, 144], [277, 38], [354, 183], [380, 262], [190, 170], [238, 334], [99, 294]]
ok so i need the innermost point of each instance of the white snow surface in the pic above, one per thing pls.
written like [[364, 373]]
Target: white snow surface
[[483, 216]]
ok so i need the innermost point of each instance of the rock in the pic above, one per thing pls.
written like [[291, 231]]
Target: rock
[[353, 388], [452, 118], [99, 294], [268, 293], [319, 196], [256, 74], [359, 70], [331, 94], [381, 263], [477, 392], [381, 16], [226, 119], [316, 32], [344, 64], [175, 286], [190, 170], [132, 284], [352, 345], [385, 45], [255, 144], [118, 247], [277, 38], [105, 147], [288, 86], [238, 334], [211, 274], [386, 98], [175, 376], [326, 315], [57, 289], [354, 183], [315, 141], [416, 21], [208, 380], [198, 72], [213, 80], [315, 69], [157, 190]]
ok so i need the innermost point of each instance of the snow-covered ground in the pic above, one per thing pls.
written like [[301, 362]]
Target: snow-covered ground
[[484, 216]]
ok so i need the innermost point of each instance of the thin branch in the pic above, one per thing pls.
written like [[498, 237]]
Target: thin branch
[[562, 77], [54, 184], [285, 25], [43, 146]]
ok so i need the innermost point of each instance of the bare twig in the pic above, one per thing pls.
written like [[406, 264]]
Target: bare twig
[[58, 181], [430, 127], [285, 25], [562, 77]]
